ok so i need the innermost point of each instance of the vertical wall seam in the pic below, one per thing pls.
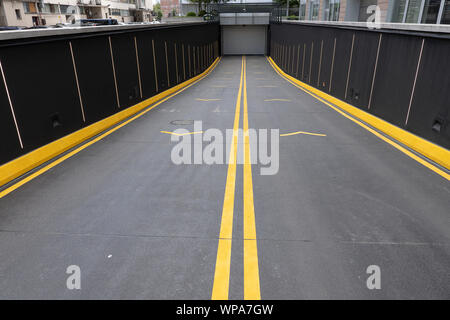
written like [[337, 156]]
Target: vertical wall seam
[[176, 64], [76, 80], [349, 66], [310, 62], [303, 63], [154, 65], [138, 67], [332, 66], [167, 64], [374, 71], [189, 60], [184, 62], [11, 106], [415, 80], [114, 72]]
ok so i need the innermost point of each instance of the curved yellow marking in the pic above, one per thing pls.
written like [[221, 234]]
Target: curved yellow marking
[[430, 150], [252, 289], [181, 134], [223, 261], [303, 132], [35, 158]]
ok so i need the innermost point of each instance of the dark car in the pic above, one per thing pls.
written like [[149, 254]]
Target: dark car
[[10, 28], [208, 17], [37, 27], [99, 22]]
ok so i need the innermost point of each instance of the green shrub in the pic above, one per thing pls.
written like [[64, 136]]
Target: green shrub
[[292, 18], [190, 14], [201, 13]]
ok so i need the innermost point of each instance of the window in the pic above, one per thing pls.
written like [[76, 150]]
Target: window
[[18, 14], [114, 12], [412, 14], [446, 13], [363, 15], [333, 13], [29, 7], [314, 10], [430, 11]]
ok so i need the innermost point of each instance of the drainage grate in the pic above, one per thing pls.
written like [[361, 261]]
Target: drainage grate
[[182, 122]]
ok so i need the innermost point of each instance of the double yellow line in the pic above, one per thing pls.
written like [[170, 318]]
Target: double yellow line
[[223, 262]]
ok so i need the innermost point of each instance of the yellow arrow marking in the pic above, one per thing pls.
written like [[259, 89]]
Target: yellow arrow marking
[[303, 132], [181, 134]]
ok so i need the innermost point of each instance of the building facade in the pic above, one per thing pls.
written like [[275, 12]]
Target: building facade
[[397, 11], [171, 8], [28, 13]]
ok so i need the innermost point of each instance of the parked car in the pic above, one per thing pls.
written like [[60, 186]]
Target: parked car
[[99, 22], [208, 17], [37, 27], [10, 28]]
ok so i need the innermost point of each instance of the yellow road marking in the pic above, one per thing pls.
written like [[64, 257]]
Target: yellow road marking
[[223, 260], [269, 100], [198, 99], [251, 270], [303, 132], [181, 134], [100, 137], [434, 152]]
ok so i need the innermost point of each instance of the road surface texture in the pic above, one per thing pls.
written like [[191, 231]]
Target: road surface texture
[[141, 227]]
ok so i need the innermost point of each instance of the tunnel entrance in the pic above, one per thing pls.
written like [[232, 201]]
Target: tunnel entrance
[[244, 39]]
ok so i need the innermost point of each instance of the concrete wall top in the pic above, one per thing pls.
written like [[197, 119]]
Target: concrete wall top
[[36, 33], [415, 27]]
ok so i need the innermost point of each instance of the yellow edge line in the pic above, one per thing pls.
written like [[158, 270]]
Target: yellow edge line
[[436, 153], [223, 260], [303, 132], [251, 270], [181, 134], [37, 157]]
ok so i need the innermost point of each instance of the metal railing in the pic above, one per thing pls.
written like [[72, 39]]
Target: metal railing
[[274, 10]]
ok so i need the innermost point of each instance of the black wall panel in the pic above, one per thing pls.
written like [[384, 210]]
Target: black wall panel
[[398, 58], [327, 58], [9, 141], [125, 65], [361, 72], [431, 102], [41, 82], [397, 65], [341, 62], [95, 77], [146, 64]]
